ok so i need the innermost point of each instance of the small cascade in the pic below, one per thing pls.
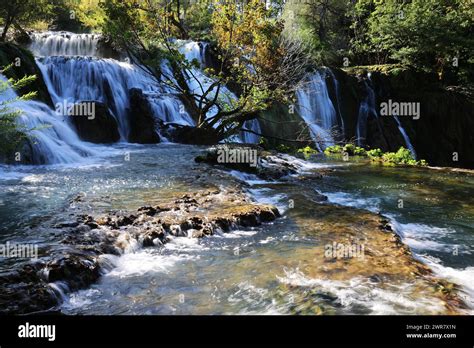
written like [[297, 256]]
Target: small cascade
[[251, 138], [74, 79], [64, 44], [367, 108], [74, 71], [405, 137], [54, 140], [338, 100], [197, 51], [317, 110]]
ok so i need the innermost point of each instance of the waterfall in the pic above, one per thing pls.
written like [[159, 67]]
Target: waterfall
[[405, 137], [54, 140], [338, 100], [198, 83], [317, 110], [64, 44], [366, 109], [86, 76], [74, 79]]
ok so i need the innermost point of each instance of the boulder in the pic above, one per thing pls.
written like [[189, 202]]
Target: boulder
[[102, 128], [10, 53], [191, 135], [142, 120]]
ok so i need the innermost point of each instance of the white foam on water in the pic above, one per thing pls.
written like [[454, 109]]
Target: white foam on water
[[463, 277], [250, 179], [145, 261], [350, 200], [11, 175], [266, 195], [237, 234], [397, 299], [80, 299], [184, 244], [256, 300], [421, 236]]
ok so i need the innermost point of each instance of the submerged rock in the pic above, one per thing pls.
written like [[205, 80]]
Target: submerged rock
[[76, 263]]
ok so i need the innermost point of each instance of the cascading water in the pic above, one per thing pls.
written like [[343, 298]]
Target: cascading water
[[64, 44], [54, 140], [199, 83], [86, 76], [317, 110], [405, 137], [368, 108], [338, 99]]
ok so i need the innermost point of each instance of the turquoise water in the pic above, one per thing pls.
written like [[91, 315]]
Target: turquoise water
[[260, 270]]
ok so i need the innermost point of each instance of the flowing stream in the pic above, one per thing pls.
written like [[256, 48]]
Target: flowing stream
[[269, 269], [272, 271]]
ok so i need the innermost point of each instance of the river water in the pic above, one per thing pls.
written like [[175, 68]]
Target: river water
[[262, 270]]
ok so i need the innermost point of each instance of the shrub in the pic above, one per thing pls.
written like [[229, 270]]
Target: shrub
[[336, 149], [374, 153], [307, 151]]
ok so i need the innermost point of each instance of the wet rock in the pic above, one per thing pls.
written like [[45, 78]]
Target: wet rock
[[271, 165], [78, 270], [190, 135], [77, 263], [99, 128], [148, 210], [153, 236], [143, 127]]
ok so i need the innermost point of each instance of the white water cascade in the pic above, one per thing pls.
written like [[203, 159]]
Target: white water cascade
[[64, 44], [317, 110], [367, 108], [85, 76], [199, 83], [54, 140], [405, 137]]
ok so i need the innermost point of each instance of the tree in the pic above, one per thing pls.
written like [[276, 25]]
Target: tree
[[11, 133], [20, 12], [323, 25], [427, 34], [253, 53]]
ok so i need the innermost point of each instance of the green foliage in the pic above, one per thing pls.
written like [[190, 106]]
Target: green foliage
[[322, 25], [307, 152], [427, 34], [12, 134], [332, 150], [22, 12], [375, 153], [197, 19], [402, 157], [350, 149]]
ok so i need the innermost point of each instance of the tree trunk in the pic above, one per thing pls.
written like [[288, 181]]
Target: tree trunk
[[5, 30]]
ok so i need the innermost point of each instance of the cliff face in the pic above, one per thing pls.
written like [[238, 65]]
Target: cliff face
[[24, 64], [445, 123]]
